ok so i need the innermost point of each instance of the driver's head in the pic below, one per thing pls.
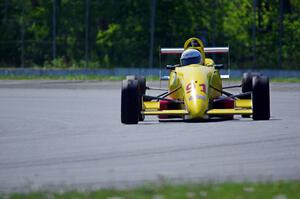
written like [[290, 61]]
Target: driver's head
[[191, 56]]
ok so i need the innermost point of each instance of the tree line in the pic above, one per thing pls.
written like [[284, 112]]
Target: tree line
[[117, 33]]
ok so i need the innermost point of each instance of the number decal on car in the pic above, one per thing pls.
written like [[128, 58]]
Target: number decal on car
[[189, 87], [203, 88]]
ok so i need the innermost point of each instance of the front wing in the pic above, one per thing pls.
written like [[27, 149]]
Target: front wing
[[241, 107]]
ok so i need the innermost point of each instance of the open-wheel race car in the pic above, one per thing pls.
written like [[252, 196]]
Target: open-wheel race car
[[195, 90]]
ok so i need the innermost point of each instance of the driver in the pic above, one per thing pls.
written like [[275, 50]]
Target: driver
[[191, 56]]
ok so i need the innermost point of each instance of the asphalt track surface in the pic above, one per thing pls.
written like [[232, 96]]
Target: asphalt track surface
[[60, 135]]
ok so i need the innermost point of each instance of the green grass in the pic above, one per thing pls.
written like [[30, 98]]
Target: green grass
[[274, 80], [275, 190], [68, 77], [113, 78], [290, 80]]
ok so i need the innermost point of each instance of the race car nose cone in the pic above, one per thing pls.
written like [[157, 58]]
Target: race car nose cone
[[197, 105]]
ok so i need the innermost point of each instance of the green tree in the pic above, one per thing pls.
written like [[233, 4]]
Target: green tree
[[119, 31]]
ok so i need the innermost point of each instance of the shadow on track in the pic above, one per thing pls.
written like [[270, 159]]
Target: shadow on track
[[152, 122]]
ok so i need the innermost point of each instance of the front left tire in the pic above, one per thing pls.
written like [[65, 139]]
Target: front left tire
[[142, 89], [130, 102]]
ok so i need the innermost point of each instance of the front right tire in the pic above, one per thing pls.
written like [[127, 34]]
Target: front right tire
[[261, 98]]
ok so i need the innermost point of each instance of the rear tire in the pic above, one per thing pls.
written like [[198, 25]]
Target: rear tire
[[130, 102], [141, 82], [247, 86], [261, 98]]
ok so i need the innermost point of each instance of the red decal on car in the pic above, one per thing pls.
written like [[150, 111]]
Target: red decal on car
[[188, 88], [202, 88]]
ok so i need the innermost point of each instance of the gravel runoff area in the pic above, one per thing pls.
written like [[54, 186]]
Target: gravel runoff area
[[67, 134]]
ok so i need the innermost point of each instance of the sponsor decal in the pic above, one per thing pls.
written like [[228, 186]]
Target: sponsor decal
[[196, 97]]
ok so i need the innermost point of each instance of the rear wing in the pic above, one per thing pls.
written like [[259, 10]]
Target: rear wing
[[207, 50]]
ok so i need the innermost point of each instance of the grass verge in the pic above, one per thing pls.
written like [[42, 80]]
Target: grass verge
[[68, 77], [288, 79], [274, 80], [274, 190], [113, 78]]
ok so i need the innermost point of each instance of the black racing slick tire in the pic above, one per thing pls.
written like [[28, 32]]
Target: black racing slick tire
[[261, 98], [247, 84], [130, 102], [142, 89], [141, 82]]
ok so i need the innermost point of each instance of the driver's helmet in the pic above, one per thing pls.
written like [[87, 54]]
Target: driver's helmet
[[191, 56]]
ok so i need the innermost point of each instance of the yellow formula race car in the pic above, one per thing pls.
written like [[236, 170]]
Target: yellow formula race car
[[195, 91]]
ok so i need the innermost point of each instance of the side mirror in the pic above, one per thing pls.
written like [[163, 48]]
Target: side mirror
[[219, 66], [172, 67], [165, 78]]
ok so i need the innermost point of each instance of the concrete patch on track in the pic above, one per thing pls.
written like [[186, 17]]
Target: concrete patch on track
[[57, 134]]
